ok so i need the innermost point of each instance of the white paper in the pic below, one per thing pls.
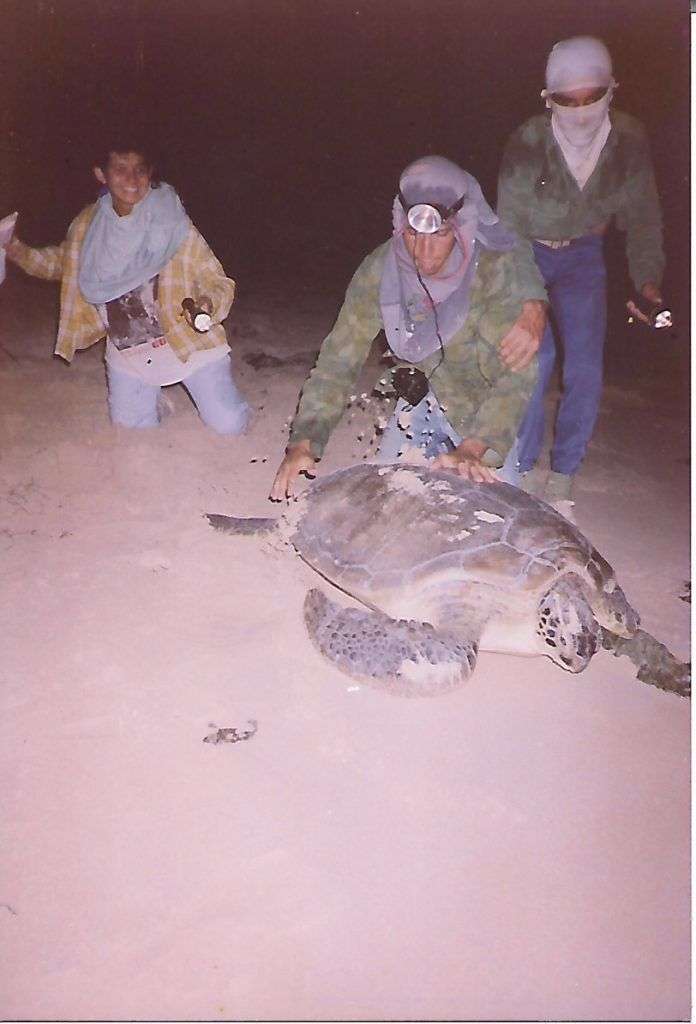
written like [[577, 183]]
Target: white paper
[[7, 225]]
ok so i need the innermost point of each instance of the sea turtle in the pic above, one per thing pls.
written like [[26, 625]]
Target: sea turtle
[[442, 568]]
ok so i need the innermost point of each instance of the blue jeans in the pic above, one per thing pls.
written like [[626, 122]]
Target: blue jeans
[[575, 279], [135, 403], [430, 430]]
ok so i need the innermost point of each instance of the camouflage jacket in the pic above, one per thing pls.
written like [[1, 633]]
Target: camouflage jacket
[[539, 198], [480, 396]]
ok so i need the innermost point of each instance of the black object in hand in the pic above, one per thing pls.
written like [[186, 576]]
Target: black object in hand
[[410, 384], [644, 312]]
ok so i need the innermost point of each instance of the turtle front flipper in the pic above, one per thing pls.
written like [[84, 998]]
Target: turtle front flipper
[[408, 659], [655, 663]]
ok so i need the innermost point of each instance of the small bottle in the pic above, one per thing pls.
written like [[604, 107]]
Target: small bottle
[[199, 318]]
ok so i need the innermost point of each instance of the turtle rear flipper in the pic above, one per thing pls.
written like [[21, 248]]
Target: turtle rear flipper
[[655, 663], [240, 526], [408, 659]]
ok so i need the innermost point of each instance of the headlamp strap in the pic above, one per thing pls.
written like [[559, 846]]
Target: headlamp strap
[[445, 211]]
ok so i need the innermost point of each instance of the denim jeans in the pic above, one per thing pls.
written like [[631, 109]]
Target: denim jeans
[[135, 403], [575, 278], [427, 425], [431, 431]]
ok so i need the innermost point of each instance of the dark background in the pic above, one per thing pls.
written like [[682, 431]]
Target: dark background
[[285, 123]]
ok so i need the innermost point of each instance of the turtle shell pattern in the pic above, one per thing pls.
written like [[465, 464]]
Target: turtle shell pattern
[[433, 546]]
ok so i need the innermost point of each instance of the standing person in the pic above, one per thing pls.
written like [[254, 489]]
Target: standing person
[[564, 175], [463, 314], [134, 268]]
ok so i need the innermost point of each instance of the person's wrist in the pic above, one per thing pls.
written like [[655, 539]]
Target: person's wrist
[[651, 292], [299, 451], [534, 311], [471, 448]]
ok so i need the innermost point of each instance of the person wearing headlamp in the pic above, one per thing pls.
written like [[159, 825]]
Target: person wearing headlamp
[[463, 316], [565, 174]]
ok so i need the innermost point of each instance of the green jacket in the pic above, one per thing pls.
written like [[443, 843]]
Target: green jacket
[[539, 198], [480, 396]]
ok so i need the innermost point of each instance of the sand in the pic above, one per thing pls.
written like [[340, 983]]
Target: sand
[[516, 849]]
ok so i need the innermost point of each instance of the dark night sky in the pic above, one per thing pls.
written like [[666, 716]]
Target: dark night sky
[[285, 123]]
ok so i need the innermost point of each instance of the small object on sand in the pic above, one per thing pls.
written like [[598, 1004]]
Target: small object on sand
[[232, 734], [686, 596]]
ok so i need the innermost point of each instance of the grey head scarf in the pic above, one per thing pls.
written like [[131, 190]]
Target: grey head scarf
[[121, 253], [411, 323]]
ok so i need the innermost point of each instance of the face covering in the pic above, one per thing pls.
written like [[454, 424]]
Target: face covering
[[580, 125], [581, 132]]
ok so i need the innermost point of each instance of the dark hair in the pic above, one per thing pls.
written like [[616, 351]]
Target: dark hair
[[127, 142]]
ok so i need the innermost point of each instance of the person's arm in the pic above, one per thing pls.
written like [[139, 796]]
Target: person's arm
[[326, 391], [467, 460], [298, 459], [515, 187], [490, 422], [498, 417], [46, 262], [522, 341], [641, 219], [214, 290], [484, 400]]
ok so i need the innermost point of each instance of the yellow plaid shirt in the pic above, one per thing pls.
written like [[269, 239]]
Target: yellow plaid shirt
[[193, 272]]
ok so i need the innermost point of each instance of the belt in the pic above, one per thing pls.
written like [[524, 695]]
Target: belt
[[561, 243]]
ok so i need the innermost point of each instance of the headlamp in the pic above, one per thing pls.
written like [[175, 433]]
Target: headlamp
[[427, 218]]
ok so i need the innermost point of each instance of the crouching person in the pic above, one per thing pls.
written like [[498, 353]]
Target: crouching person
[[463, 315], [134, 268]]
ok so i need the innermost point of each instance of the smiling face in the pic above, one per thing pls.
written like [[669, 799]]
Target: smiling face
[[429, 252], [127, 177]]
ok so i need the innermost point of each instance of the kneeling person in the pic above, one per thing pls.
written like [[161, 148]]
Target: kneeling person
[[463, 317], [135, 268]]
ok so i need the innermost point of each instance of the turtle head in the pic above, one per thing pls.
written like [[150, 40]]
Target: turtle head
[[567, 630]]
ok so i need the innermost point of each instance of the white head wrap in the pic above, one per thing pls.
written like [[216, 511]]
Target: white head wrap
[[410, 322], [581, 132], [578, 63]]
